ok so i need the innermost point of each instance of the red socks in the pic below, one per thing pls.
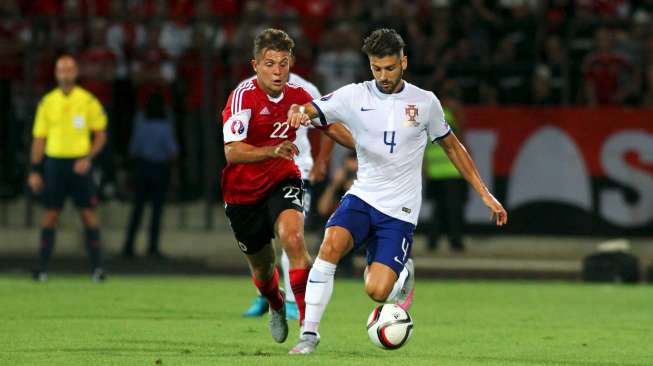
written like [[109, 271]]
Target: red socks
[[270, 291], [298, 278]]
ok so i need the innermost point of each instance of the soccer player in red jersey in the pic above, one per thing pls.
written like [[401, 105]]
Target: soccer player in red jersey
[[261, 184]]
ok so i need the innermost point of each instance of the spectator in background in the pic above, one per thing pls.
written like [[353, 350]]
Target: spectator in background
[[153, 147], [541, 88], [194, 84], [511, 77], [176, 35], [124, 37], [647, 97], [97, 69], [65, 120], [553, 61], [608, 74], [153, 71], [338, 186], [70, 29], [445, 185], [340, 63]]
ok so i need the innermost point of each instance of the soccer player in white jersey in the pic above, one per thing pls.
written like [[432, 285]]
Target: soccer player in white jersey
[[309, 172], [391, 122]]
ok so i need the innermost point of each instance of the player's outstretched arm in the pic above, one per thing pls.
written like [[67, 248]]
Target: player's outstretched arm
[[340, 134], [240, 152], [465, 165], [301, 114]]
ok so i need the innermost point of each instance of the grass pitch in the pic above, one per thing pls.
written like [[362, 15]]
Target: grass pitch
[[196, 321]]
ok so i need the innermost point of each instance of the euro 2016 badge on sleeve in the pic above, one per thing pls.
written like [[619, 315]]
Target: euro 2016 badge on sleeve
[[237, 127], [411, 113]]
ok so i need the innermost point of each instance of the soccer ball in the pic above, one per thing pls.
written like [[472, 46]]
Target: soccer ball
[[389, 326]]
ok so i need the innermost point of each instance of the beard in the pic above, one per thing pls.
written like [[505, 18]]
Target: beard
[[388, 86]]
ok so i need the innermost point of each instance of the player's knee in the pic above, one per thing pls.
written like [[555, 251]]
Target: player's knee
[[332, 251], [89, 218], [51, 220], [293, 242], [263, 272], [377, 292]]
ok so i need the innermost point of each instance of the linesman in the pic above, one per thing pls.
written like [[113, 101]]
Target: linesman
[[62, 158]]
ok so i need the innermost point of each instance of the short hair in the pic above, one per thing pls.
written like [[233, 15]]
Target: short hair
[[383, 42], [273, 39]]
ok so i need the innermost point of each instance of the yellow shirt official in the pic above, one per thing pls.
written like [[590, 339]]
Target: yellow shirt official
[[66, 122]]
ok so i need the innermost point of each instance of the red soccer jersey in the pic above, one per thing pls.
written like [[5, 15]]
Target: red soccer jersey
[[251, 116]]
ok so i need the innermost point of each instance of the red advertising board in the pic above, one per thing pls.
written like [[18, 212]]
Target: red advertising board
[[565, 170]]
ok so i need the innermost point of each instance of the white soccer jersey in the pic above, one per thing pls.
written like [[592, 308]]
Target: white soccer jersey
[[304, 160], [391, 132]]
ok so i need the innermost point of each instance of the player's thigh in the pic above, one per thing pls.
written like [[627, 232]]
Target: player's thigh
[[349, 226], [250, 226], [391, 244], [337, 242], [285, 210], [83, 191], [287, 195], [56, 173]]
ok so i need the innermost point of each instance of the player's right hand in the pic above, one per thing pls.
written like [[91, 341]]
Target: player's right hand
[[297, 117], [286, 150], [35, 182], [499, 214]]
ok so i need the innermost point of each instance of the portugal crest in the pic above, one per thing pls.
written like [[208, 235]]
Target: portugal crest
[[411, 113]]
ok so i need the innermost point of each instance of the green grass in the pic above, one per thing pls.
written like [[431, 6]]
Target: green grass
[[196, 321]]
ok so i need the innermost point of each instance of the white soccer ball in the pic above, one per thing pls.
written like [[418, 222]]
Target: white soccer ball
[[389, 326]]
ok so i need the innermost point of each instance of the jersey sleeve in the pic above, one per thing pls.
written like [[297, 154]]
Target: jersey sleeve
[[336, 106], [96, 116], [236, 115], [312, 90], [436, 126], [40, 128], [305, 96]]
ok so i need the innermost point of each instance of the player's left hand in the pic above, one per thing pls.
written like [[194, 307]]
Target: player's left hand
[[499, 214], [82, 166], [297, 117], [286, 150]]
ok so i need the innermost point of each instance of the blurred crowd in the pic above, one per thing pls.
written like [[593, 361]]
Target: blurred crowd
[[497, 52]]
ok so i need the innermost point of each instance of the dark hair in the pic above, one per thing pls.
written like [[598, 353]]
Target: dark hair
[[155, 107], [383, 42], [273, 39]]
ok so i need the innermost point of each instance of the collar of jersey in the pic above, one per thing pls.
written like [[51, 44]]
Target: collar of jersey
[[272, 99], [72, 91], [380, 93]]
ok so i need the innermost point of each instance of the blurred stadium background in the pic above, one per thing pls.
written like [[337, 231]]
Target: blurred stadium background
[[557, 98]]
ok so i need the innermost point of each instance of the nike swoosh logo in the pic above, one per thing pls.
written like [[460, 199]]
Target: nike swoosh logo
[[311, 281], [367, 109]]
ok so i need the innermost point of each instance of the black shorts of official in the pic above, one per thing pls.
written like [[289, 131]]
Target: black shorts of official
[[253, 224], [62, 182]]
